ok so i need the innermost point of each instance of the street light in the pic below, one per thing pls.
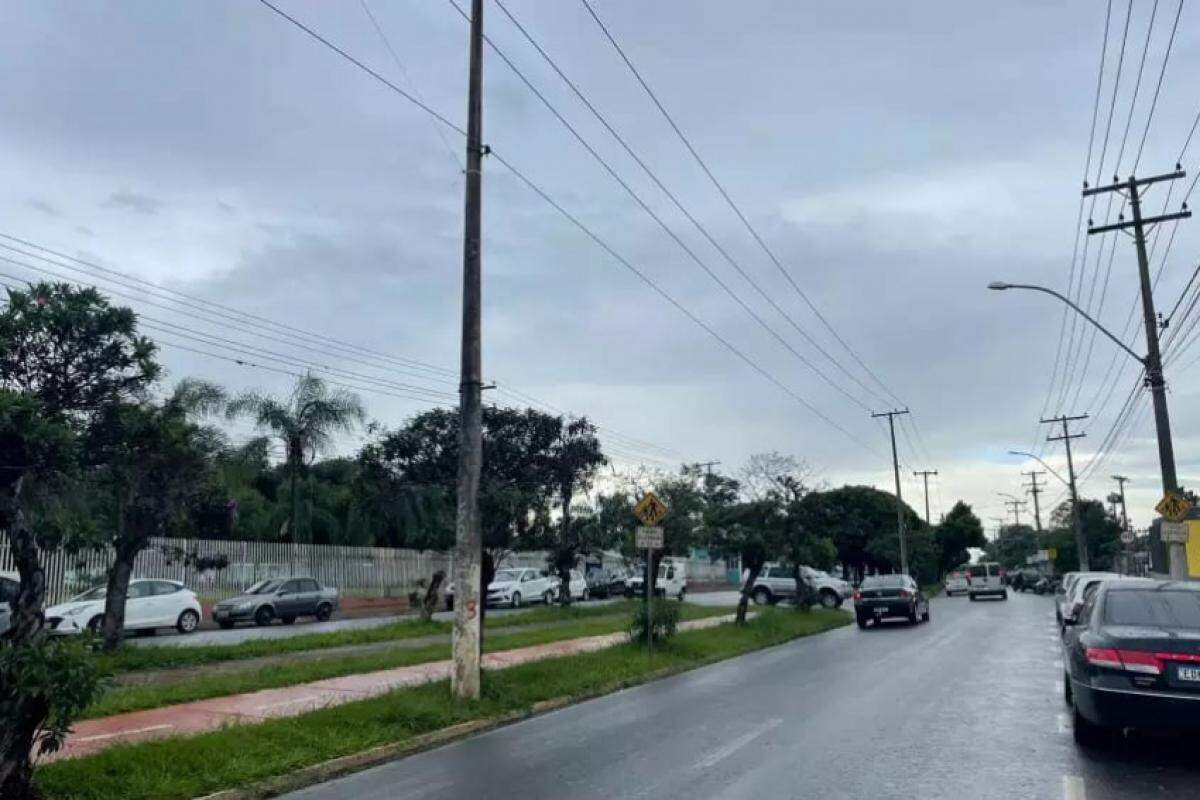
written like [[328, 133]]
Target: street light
[[1001, 286]]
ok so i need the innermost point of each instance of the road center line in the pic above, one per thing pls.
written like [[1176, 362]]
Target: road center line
[[102, 736], [722, 753], [1073, 789]]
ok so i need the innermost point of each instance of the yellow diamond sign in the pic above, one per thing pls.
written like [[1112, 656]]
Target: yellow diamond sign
[[1174, 506], [650, 510]]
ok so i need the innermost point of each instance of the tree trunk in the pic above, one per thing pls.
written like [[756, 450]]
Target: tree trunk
[[118, 592], [19, 729], [803, 601], [565, 563], [429, 602], [744, 601], [487, 574], [293, 514]]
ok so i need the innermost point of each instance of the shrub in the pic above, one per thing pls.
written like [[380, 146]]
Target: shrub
[[664, 617]]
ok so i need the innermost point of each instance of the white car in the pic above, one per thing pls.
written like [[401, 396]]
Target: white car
[[578, 585], [956, 582], [10, 584], [150, 604], [1073, 597], [519, 585]]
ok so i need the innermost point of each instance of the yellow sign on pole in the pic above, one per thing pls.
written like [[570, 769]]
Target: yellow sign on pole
[[1052, 553], [650, 510], [1174, 506]]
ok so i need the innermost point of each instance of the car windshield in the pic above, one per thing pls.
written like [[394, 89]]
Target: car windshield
[[97, 593], [884, 582], [507, 576], [1152, 607], [264, 587]]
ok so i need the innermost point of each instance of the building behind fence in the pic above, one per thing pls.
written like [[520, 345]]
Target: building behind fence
[[354, 571]]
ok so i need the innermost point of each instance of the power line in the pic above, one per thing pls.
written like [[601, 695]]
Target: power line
[[583, 228]]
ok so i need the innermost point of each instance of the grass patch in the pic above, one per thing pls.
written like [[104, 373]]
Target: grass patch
[[176, 769], [313, 667]]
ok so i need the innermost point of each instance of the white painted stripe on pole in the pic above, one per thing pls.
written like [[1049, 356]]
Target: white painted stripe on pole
[[1072, 788], [722, 753], [99, 737]]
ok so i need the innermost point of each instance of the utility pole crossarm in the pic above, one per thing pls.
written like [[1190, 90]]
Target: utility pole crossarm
[[1146, 221], [1120, 185]]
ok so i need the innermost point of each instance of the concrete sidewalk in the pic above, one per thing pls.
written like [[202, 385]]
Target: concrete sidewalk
[[92, 736]]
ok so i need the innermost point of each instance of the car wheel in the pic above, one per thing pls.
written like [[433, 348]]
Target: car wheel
[[288, 620], [1004, 595], [862, 622], [762, 596], [682, 593], [263, 616], [95, 623], [587, 595], [324, 612], [913, 617], [226, 624], [925, 616], [1067, 694], [549, 597], [973, 597], [1088, 734], [829, 599], [188, 621]]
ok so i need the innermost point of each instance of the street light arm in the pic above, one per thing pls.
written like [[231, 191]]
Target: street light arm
[[999, 286], [1053, 471]]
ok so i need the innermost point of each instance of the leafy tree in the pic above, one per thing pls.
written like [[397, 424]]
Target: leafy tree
[[861, 521], [958, 530], [1101, 531], [305, 423], [572, 462], [753, 531], [1013, 545], [803, 541], [156, 462], [70, 349]]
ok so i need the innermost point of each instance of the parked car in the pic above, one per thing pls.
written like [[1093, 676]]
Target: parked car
[[880, 597], [605, 582], [956, 582], [986, 578], [671, 580], [1132, 658], [578, 586], [284, 599], [1073, 598], [519, 585], [10, 584], [776, 582], [149, 604], [1025, 580]]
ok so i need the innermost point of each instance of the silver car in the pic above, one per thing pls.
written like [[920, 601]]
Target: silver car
[[10, 584]]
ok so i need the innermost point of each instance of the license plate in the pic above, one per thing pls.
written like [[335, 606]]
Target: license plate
[[1191, 674], [879, 612]]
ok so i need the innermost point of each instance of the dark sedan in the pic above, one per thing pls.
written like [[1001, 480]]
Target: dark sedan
[[602, 582], [1132, 659], [880, 597]]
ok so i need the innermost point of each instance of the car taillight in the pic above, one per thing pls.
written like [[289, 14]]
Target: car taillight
[[1128, 660], [905, 593], [857, 595]]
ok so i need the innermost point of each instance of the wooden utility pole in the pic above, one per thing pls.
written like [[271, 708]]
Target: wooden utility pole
[[1080, 541], [1121, 481], [925, 473], [1176, 550], [465, 676], [1035, 490], [1015, 507], [891, 418]]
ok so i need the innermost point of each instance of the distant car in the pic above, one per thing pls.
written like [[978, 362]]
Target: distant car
[[519, 585], [777, 582], [671, 580], [1025, 580], [605, 582], [284, 599], [881, 597], [1073, 598], [956, 582], [149, 604], [1132, 658], [984, 579], [10, 584]]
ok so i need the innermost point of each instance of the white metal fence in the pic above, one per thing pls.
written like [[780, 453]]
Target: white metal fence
[[355, 571]]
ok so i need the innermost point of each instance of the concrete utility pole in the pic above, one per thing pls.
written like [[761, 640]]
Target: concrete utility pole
[[891, 417], [925, 473], [1035, 490], [465, 676], [1080, 541], [1177, 551]]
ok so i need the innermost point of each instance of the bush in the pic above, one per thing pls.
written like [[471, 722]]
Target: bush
[[665, 619]]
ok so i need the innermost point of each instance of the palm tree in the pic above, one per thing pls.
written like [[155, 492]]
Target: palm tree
[[304, 423]]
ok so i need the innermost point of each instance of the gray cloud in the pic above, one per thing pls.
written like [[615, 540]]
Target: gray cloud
[[133, 201]]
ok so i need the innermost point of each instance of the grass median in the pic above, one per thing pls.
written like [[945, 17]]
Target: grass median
[[241, 755], [569, 623]]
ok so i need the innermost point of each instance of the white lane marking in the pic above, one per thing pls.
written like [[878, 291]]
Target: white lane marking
[[1058, 664], [99, 737], [722, 753], [1058, 688], [1064, 723], [1072, 788]]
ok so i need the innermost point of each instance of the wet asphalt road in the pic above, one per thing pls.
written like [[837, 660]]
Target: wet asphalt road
[[967, 706], [246, 633]]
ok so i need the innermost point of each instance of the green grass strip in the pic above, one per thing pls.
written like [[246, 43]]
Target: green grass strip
[[176, 769], [314, 667]]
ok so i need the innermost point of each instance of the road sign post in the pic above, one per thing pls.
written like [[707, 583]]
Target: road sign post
[[650, 511]]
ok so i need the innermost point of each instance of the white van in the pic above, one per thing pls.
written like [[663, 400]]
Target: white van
[[671, 581], [984, 578]]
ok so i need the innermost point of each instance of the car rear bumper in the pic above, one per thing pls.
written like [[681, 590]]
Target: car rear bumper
[[1137, 709], [883, 609], [979, 591], [231, 615]]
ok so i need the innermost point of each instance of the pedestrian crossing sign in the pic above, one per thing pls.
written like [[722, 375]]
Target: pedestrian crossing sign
[[650, 510], [1174, 506]]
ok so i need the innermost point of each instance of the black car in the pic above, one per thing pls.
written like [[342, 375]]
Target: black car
[[1132, 658], [603, 582], [880, 597]]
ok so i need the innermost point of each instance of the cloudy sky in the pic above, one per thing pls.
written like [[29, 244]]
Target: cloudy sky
[[894, 157]]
